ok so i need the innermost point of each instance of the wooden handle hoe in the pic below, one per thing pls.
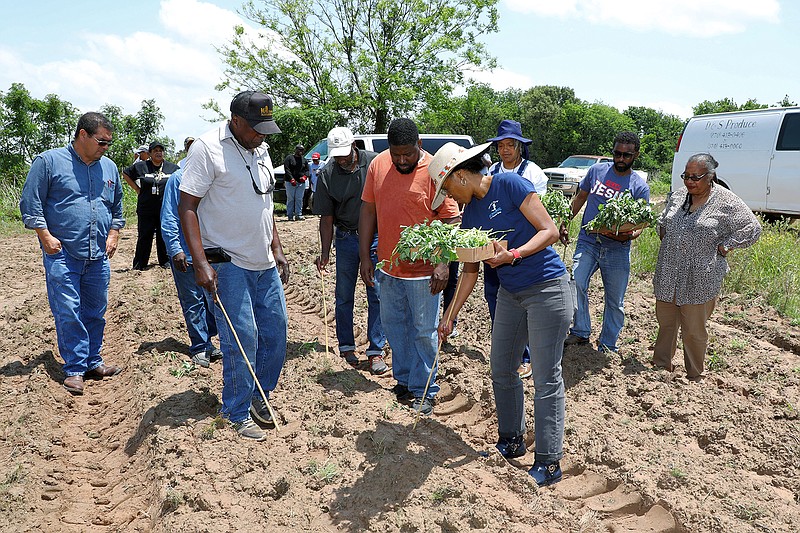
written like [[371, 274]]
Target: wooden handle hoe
[[433, 366]]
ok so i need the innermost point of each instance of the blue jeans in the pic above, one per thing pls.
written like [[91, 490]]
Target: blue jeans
[[410, 314], [347, 275], [78, 294], [491, 284], [198, 312], [538, 315], [294, 199], [614, 262], [256, 305]]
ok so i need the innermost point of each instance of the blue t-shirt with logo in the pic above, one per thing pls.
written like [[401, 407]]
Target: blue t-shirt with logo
[[499, 212], [603, 183]]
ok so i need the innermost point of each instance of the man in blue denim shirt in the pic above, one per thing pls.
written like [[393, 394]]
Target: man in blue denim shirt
[[197, 309], [72, 198]]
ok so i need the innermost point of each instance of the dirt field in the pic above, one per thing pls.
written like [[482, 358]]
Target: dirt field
[[645, 450]]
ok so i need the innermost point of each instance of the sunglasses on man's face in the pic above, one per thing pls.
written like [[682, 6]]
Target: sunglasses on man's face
[[101, 142], [623, 155]]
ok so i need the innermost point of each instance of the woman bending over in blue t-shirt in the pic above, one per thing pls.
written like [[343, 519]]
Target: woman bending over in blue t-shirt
[[533, 291]]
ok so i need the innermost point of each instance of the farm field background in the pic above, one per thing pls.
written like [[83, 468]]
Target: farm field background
[[646, 450]]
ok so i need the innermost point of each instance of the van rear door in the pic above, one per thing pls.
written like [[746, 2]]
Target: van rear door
[[783, 185]]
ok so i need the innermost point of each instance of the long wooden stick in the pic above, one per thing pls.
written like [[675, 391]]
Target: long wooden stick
[[249, 366], [324, 300], [436, 358]]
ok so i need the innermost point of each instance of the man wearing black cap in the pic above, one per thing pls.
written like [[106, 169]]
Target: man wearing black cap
[[148, 179], [297, 173], [226, 213]]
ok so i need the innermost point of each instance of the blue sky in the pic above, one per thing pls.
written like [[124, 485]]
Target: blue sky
[[665, 54]]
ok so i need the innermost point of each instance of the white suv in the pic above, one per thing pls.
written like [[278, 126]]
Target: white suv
[[567, 176]]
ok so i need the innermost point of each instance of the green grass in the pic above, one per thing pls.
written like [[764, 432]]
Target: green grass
[[769, 270], [326, 472]]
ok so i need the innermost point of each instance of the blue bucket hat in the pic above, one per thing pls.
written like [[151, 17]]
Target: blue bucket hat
[[510, 129]]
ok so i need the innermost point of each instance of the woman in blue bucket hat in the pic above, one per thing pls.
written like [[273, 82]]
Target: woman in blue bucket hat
[[512, 148]]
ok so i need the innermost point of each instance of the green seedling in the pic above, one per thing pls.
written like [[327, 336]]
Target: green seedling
[[437, 242], [622, 210], [715, 360], [327, 471], [557, 206], [184, 369]]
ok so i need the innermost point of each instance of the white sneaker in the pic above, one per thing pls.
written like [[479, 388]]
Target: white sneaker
[[250, 430]]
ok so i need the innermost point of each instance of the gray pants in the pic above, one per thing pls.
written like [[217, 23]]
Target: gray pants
[[539, 316]]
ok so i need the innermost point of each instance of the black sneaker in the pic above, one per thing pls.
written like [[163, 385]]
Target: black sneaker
[[511, 448], [260, 412], [351, 358], [214, 354], [402, 393], [574, 340], [545, 473], [423, 405]]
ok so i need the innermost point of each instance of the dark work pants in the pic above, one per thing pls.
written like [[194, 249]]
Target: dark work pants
[[149, 224]]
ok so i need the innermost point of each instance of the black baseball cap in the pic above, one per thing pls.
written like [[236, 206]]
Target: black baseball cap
[[256, 109], [156, 143]]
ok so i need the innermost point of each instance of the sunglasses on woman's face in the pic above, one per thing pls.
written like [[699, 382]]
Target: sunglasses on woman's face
[[686, 176]]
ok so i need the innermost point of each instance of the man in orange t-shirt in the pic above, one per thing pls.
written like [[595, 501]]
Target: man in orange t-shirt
[[398, 192]]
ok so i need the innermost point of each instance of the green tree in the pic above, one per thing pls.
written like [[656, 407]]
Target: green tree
[[299, 126], [659, 134], [368, 59], [584, 128], [540, 109], [477, 113], [725, 105], [29, 126], [149, 122], [132, 130]]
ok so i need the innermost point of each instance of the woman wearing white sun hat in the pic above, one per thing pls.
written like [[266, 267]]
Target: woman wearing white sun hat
[[534, 296]]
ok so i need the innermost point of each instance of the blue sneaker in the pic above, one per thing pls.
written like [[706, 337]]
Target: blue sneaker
[[511, 447], [545, 473]]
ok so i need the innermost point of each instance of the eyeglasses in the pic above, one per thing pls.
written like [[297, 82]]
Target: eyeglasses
[[623, 155], [685, 177], [271, 187], [102, 143]]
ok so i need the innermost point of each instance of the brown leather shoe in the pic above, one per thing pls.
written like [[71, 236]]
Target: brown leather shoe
[[103, 371], [74, 384]]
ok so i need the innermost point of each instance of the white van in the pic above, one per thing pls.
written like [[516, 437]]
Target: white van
[[374, 142], [758, 153]]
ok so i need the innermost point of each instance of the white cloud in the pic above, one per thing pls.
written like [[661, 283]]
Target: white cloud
[[198, 22], [176, 64], [699, 18], [500, 79]]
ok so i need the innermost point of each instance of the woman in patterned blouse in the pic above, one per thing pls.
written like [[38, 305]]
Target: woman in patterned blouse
[[701, 223]]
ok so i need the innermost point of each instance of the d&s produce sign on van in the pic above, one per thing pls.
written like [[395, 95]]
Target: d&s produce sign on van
[[758, 153]]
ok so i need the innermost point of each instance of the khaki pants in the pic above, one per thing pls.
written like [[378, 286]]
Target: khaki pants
[[692, 321]]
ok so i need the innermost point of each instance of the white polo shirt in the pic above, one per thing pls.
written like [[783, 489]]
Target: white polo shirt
[[232, 214]]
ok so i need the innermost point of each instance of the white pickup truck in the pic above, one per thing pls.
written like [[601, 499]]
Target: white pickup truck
[[567, 176]]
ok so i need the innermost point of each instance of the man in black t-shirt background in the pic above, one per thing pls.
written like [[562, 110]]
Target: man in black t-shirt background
[[338, 202], [148, 179]]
